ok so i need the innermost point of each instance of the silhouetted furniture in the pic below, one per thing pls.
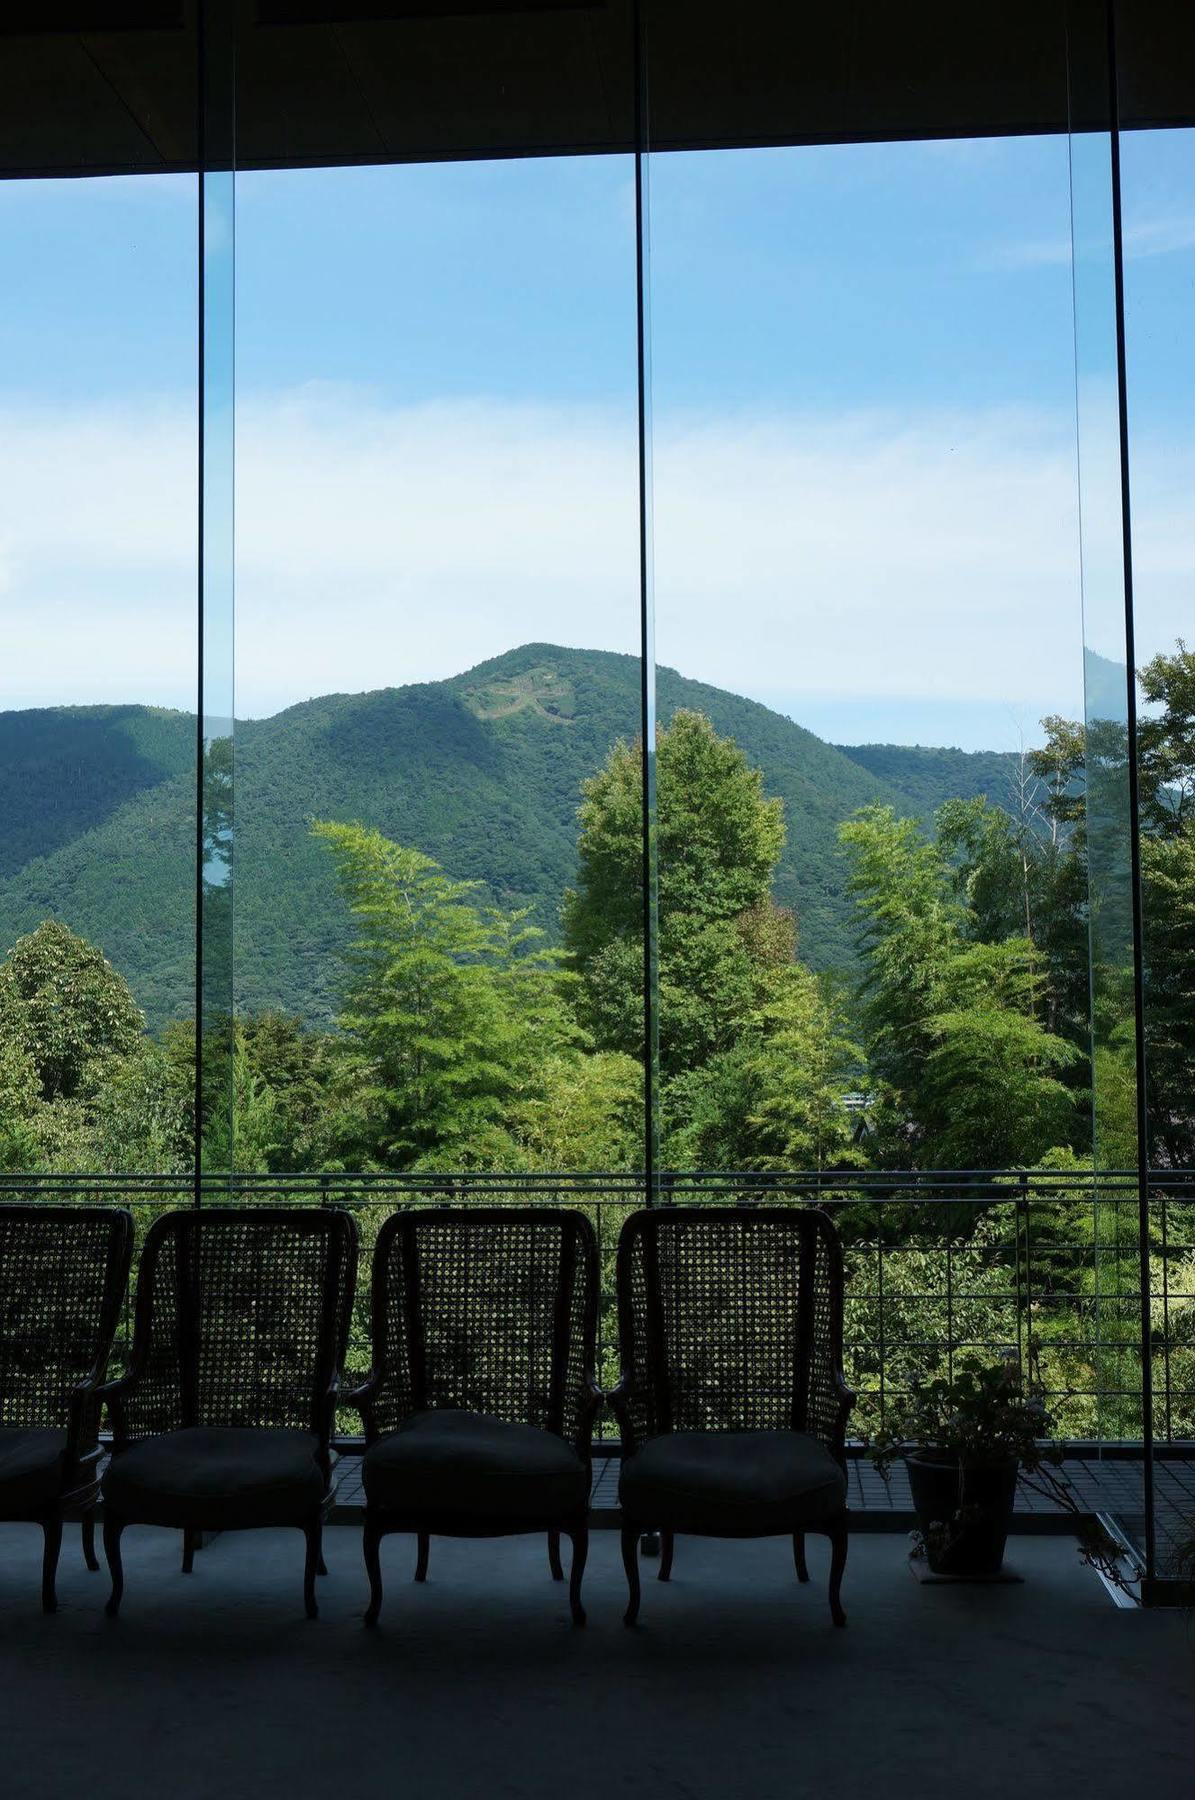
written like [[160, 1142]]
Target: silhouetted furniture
[[732, 1402], [223, 1421], [480, 1405], [63, 1275]]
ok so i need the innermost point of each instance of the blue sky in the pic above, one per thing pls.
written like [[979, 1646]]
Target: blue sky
[[863, 406]]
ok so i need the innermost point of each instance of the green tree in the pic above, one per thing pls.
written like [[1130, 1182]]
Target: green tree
[[1018, 873], [20, 1094], [584, 1112], [718, 841], [1089, 770], [1166, 742], [754, 1058], [442, 998], [64, 1005], [993, 1096], [972, 1078], [141, 1116], [775, 1099], [910, 929], [1168, 882]]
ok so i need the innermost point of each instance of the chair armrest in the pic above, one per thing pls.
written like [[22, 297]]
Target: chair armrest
[[363, 1389], [332, 1397], [112, 1394], [619, 1401], [361, 1396], [590, 1405], [86, 1394]]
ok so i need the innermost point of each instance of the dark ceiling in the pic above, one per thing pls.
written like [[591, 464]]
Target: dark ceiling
[[112, 86]]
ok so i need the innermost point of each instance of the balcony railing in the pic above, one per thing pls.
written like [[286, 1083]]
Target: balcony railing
[[941, 1265]]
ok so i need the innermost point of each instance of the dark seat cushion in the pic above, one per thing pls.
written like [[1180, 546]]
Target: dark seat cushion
[[217, 1478], [32, 1468], [754, 1482], [469, 1465]]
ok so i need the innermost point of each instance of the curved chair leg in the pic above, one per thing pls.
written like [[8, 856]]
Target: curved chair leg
[[88, 1534], [371, 1544], [799, 1556], [188, 1551], [321, 1567], [423, 1539], [313, 1532], [667, 1542], [630, 1562], [579, 1539], [554, 1562], [52, 1534], [112, 1530], [838, 1548]]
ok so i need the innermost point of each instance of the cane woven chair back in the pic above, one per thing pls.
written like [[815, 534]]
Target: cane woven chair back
[[242, 1318], [63, 1276], [730, 1319], [492, 1310]]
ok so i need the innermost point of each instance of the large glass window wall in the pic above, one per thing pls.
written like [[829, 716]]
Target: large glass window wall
[[652, 671]]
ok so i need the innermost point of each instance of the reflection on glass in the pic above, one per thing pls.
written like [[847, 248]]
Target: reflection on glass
[[1158, 186], [215, 999], [650, 875], [1101, 764]]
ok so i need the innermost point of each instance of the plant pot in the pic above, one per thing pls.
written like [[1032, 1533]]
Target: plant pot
[[964, 1512]]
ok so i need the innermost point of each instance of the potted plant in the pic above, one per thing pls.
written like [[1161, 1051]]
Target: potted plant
[[964, 1442]]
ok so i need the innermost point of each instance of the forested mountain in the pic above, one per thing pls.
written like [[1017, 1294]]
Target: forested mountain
[[926, 777], [482, 772]]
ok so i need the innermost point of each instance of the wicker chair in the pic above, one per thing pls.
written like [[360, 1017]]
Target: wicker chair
[[480, 1406], [223, 1421], [63, 1275], [732, 1404]]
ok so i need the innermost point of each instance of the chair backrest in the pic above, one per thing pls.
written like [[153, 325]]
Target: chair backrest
[[63, 1276], [730, 1319], [242, 1318], [489, 1309]]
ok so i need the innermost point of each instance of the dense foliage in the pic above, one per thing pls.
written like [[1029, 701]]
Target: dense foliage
[[981, 1020], [980, 1415], [462, 1034]]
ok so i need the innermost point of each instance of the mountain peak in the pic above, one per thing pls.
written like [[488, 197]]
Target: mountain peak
[[484, 772]]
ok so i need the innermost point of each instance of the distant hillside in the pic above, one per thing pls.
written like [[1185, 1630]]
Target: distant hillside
[[927, 777], [483, 772]]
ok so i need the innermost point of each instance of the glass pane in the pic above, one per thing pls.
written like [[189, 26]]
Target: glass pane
[[438, 636], [871, 687], [98, 411], [215, 1063], [218, 624], [866, 602], [1101, 763], [1158, 188]]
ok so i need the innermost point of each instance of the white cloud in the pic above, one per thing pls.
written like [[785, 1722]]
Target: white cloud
[[1163, 234], [429, 537], [926, 555], [97, 555]]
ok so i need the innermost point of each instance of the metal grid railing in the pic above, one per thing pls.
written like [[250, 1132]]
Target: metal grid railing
[[940, 1265]]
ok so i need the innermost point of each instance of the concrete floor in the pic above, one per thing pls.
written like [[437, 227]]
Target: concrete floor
[[735, 1683]]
